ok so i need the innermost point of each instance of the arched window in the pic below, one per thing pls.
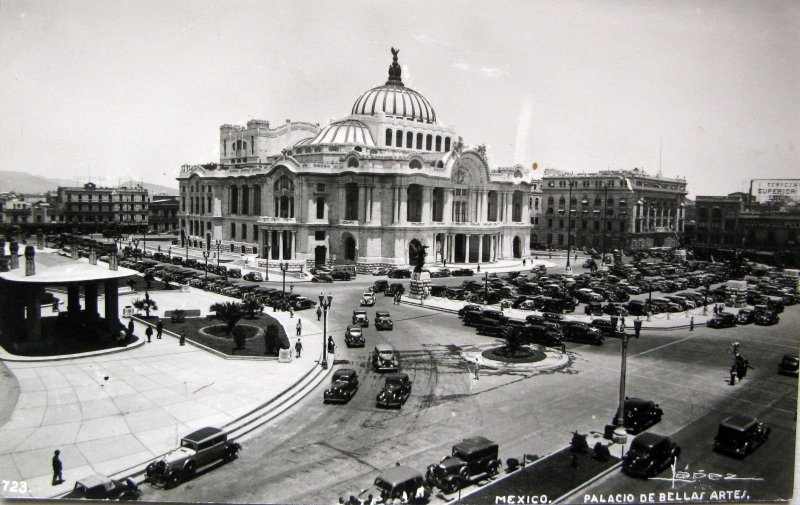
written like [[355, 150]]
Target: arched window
[[414, 203], [447, 144], [284, 197], [597, 202], [284, 184], [562, 201], [536, 203], [398, 141], [352, 162], [517, 203], [428, 142], [610, 202], [388, 142], [410, 140], [419, 141], [716, 213], [415, 163], [438, 143], [550, 201]]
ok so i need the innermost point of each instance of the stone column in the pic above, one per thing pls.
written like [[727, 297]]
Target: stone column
[[480, 248], [403, 205], [427, 216], [73, 300], [509, 202], [90, 300], [342, 198], [112, 304], [484, 207], [280, 244]]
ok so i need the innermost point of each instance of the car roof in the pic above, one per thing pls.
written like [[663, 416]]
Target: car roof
[[397, 376], [359, 312], [94, 481], [344, 372], [383, 348], [648, 439], [635, 402], [382, 313], [738, 423], [202, 434], [472, 444], [398, 474]]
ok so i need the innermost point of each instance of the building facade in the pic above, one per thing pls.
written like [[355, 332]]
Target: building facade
[[613, 209], [94, 208], [162, 214], [373, 188]]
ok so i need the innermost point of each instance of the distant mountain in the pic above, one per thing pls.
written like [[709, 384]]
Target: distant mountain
[[22, 182]]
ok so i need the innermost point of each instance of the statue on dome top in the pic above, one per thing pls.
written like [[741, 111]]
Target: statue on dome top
[[394, 69]]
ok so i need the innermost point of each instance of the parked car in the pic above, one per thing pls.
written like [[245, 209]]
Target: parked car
[[745, 316], [100, 487], [465, 272], [396, 390], [380, 271], [199, 448], [394, 288], [789, 364], [253, 276], [649, 455], [322, 278], [392, 484], [380, 286], [740, 435], [722, 320], [341, 275], [470, 307], [606, 326], [542, 335], [399, 273], [384, 359], [470, 458], [766, 318], [367, 299], [640, 415], [354, 336], [235, 273], [383, 321], [360, 318], [302, 303], [344, 384], [578, 331]]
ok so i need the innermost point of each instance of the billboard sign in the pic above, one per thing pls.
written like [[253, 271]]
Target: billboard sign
[[765, 190]]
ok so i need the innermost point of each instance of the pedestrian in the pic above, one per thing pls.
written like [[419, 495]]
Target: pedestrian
[[299, 327], [622, 324], [576, 256], [479, 267], [182, 340], [130, 328], [149, 333], [291, 287], [291, 312], [331, 345], [298, 348], [563, 347], [523, 262], [691, 324], [319, 313], [159, 330], [477, 369], [57, 468]]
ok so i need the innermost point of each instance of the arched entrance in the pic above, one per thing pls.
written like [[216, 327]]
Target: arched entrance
[[516, 247], [414, 250], [349, 248], [320, 255]]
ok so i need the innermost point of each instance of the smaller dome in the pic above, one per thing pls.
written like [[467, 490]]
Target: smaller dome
[[349, 131]]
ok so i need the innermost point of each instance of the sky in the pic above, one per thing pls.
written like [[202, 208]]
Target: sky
[[113, 90]]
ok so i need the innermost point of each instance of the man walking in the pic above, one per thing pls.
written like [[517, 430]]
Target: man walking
[[149, 333], [331, 345], [299, 326], [159, 330], [130, 328], [319, 313], [182, 340], [298, 347], [57, 467], [477, 369]]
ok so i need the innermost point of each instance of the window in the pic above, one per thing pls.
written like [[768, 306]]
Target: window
[[320, 207], [428, 142], [233, 231], [438, 143], [388, 142], [319, 235], [419, 141], [398, 142], [447, 144], [409, 140], [415, 163], [255, 233], [352, 162]]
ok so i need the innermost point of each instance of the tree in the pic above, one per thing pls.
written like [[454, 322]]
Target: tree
[[149, 278], [271, 339], [147, 304], [230, 313], [251, 306], [513, 340], [131, 284]]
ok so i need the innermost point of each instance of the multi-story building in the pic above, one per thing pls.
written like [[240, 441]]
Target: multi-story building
[[163, 214], [371, 188], [610, 209], [24, 211], [94, 208], [732, 224]]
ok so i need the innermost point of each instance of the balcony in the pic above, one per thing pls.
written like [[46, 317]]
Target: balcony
[[349, 222], [276, 220]]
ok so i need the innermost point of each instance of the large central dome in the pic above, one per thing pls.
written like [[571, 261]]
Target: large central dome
[[395, 100]]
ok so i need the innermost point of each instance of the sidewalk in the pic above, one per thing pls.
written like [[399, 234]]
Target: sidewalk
[[111, 412]]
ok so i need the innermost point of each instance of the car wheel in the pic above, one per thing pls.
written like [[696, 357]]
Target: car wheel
[[450, 486], [230, 455], [173, 480], [494, 467], [189, 469]]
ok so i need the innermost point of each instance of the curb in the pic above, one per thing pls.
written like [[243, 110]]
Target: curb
[[91, 354], [572, 493]]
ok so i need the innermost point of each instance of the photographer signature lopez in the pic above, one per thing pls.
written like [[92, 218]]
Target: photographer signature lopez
[[694, 476]]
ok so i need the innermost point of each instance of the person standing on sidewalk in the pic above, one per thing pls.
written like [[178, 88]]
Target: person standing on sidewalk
[[149, 333], [291, 312], [298, 348], [299, 326], [477, 369], [159, 330], [57, 468], [182, 340], [130, 328], [319, 313]]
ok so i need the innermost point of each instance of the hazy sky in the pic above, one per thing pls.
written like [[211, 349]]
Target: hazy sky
[[122, 89]]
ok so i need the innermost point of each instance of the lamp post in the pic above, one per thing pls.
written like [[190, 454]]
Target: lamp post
[[569, 226], [218, 243], [266, 269], [604, 231], [325, 303], [206, 253], [169, 254], [135, 247], [620, 435], [144, 242], [284, 267]]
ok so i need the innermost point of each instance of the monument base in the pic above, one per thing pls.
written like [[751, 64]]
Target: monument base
[[420, 287]]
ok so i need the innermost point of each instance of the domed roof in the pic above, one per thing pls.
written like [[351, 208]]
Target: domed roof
[[349, 131], [394, 99]]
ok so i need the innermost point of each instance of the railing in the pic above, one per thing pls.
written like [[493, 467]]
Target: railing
[[273, 219]]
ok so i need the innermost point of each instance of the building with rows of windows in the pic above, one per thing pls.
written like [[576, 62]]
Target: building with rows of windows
[[613, 209], [370, 189]]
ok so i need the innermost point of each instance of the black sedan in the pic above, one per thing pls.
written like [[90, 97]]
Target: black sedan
[[322, 278], [395, 391], [344, 384], [100, 487], [766, 318], [640, 415], [789, 364]]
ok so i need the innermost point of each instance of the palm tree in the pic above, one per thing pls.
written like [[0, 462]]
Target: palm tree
[[251, 306], [149, 278], [230, 313], [147, 304]]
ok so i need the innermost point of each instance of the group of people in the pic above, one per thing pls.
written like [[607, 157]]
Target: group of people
[[740, 364], [718, 308], [298, 346], [397, 298]]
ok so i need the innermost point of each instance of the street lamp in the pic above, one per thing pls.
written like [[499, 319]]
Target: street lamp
[[486, 287], [284, 267], [206, 253], [135, 247], [266, 269], [218, 243], [569, 225], [604, 231], [325, 303], [620, 435]]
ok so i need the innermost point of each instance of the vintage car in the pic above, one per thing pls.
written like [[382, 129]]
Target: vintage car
[[469, 308], [392, 484], [649, 455], [341, 275], [788, 364], [344, 384], [383, 321], [541, 335], [384, 359], [640, 415], [394, 288], [745, 316], [302, 303], [367, 299], [197, 449], [740, 435], [100, 487], [380, 271], [360, 318], [607, 326], [470, 458], [766, 318], [578, 331], [322, 278], [465, 272], [253, 276], [380, 286], [722, 320], [395, 391], [354, 336], [235, 273]]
